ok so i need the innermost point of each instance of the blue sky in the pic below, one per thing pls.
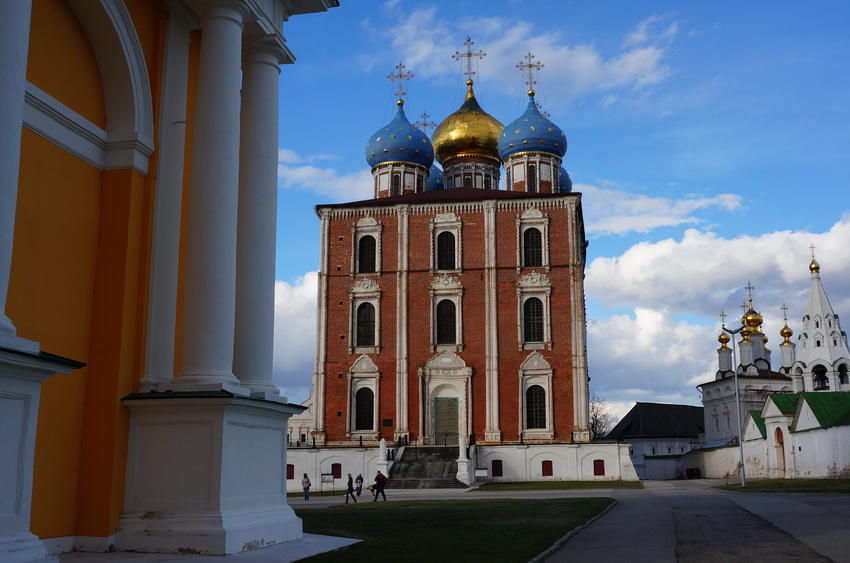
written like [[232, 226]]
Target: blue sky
[[711, 142]]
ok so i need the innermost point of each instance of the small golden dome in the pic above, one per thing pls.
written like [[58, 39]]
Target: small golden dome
[[724, 340], [470, 131], [786, 333], [814, 267], [751, 318], [746, 332]]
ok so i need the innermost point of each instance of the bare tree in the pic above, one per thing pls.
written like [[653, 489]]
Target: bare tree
[[601, 420]]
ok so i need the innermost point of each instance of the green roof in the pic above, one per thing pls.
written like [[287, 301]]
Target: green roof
[[759, 422], [785, 402], [831, 409]]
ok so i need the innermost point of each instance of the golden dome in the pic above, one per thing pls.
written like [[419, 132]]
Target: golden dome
[[746, 332], [470, 131], [786, 333], [814, 267], [723, 339], [751, 318]]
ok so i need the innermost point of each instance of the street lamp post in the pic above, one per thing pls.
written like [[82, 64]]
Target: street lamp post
[[738, 402]]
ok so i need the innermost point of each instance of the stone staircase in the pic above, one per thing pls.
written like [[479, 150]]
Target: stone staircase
[[426, 468]]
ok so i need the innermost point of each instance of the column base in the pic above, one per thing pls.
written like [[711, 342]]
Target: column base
[[206, 474], [23, 548]]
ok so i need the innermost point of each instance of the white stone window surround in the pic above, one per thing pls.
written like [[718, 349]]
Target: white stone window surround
[[532, 219], [447, 287], [364, 290], [366, 226], [535, 370], [363, 374], [446, 222], [539, 286]]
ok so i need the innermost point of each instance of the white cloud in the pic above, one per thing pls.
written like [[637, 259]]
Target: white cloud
[[298, 173], [620, 212], [295, 336]]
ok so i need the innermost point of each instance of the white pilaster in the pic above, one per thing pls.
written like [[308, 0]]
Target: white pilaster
[[402, 416], [318, 407], [210, 278], [492, 432], [581, 392], [257, 226], [165, 244], [14, 44]]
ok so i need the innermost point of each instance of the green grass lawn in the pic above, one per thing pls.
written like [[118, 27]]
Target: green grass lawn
[[559, 485], [449, 530], [791, 486]]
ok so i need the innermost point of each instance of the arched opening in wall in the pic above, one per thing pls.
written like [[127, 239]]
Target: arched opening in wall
[[446, 251], [532, 248], [366, 254], [419, 184], [496, 468], [535, 407], [842, 374], [546, 468], [365, 335], [396, 184], [532, 178], [364, 410], [532, 320], [467, 181], [446, 322], [487, 184], [780, 451], [820, 381]]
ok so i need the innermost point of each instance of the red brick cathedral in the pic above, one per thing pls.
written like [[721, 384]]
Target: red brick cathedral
[[450, 308]]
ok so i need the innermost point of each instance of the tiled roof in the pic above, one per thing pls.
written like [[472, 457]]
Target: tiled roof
[[659, 420]]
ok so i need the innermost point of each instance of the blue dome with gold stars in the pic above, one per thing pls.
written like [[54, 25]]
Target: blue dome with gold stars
[[435, 179], [532, 132], [399, 141], [564, 181]]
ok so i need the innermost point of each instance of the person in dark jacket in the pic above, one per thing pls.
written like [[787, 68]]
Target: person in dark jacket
[[380, 481], [350, 491]]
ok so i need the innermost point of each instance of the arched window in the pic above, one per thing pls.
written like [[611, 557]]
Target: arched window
[[487, 183], [446, 322], [365, 335], [396, 184], [535, 407], [366, 255], [532, 178], [446, 251], [467, 181], [449, 183], [532, 320], [819, 378], [842, 374], [418, 184], [364, 410], [532, 248]]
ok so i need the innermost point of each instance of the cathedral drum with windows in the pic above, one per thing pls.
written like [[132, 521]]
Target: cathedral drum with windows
[[458, 312]]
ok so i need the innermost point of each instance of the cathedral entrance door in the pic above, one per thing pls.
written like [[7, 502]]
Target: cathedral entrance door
[[445, 421]]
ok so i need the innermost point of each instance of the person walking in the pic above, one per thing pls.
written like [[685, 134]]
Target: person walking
[[305, 484], [350, 492], [358, 483], [380, 481]]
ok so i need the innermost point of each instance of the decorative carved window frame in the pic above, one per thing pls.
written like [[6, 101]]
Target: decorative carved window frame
[[446, 222], [366, 226], [445, 369], [363, 374], [532, 219], [364, 290], [534, 285], [447, 287], [535, 370]]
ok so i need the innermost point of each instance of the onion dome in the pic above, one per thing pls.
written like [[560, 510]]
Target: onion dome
[[752, 319], [435, 179], [724, 340], [814, 267], [786, 333], [564, 181], [532, 132], [470, 131], [399, 141]]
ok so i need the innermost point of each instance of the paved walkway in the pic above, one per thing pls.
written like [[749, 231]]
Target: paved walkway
[[666, 521]]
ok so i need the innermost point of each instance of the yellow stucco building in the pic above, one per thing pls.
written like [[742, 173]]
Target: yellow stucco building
[[138, 139]]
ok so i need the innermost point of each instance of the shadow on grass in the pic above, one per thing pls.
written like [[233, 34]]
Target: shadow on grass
[[559, 486], [791, 486], [450, 530]]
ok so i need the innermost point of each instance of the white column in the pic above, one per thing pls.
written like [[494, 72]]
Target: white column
[[492, 430], [255, 262], [402, 416], [209, 301], [14, 44], [165, 246]]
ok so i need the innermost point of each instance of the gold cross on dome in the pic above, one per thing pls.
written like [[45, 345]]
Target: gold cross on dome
[[784, 313], [469, 55], [722, 318], [530, 67], [749, 287], [543, 112], [401, 76], [812, 248], [425, 124]]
